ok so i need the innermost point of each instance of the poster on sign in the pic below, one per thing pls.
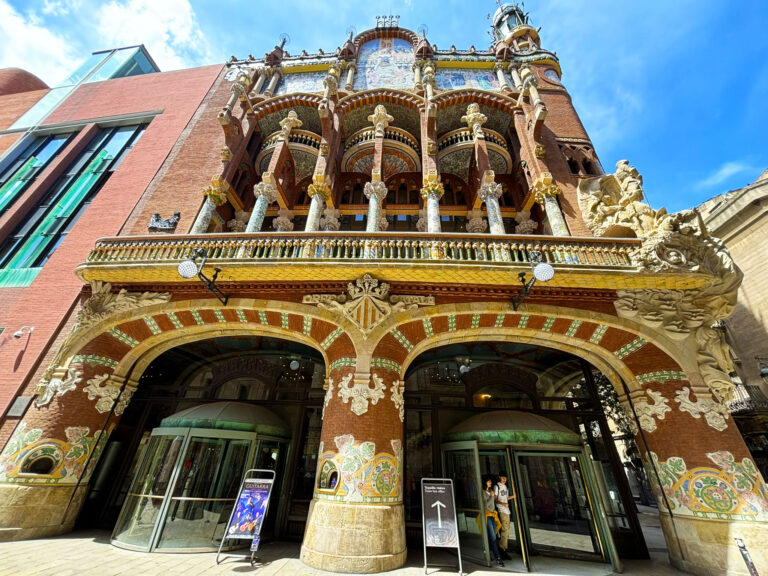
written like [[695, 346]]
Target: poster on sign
[[250, 509]]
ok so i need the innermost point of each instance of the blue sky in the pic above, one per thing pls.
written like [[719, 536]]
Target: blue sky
[[680, 88]]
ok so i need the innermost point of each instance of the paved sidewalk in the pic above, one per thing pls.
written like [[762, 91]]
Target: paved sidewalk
[[89, 553]]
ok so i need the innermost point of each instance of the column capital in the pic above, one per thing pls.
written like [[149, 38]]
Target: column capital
[[217, 192], [544, 188], [500, 66], [432, 187], [376, 188], [489, 188], [319, 187], [283, 221], [475, 120], [266, 188]]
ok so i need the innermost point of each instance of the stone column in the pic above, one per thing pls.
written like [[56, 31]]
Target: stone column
[[416, 75], [499, 69], [214, 196], [260, 81], [319, 192], [357, 524], [545, 193], [351, 69], [266, 193], [270, 91], [376, 192], [489, 193], [516, 80], [432, 191]]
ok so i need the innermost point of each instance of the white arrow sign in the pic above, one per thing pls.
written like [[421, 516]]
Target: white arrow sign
[[438, 505]]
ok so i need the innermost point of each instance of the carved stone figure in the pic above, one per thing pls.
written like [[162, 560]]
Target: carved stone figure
[[475, 120], [287, 124], [159, 224], [380, 120]]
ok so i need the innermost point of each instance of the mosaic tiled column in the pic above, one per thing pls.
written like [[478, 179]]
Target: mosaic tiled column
[[266, 193], [356, 523], [375, 192], [319, 194], [546, 193], [432, 191], [489, 193], [46, 465], [260, 81], [351, 69], [270, 91], [708, 489], [214, 196]]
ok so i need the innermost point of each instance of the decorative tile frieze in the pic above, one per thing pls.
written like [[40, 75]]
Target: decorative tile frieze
[[152, 325], [661, 376], [124, 338], [523, 322], [387, 364], [341, 362], [219, 316], [307, 327], [196, 315], [452, 323], [573, 328], [428, 330], [400, 337], [263, 317], [475, 320], [331, 338], [548, 324], [284, 320], [629, 348], [500, 320], [597, 335], [174, 320], [94, 360], [241, 316]]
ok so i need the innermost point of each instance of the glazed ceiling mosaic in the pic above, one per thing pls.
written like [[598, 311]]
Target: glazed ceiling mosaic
[[456, 78], [498, 163], [449, 118], [264, 162], [301, 82], [308, 115], [404, 117], [384, 62], [304, 163], [457, 162]]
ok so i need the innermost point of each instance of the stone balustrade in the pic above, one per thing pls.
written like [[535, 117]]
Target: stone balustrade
[[404, 247]]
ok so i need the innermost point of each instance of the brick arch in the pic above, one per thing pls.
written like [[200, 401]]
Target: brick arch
[[285, 102], [146, 333], [379, 96], [469, 96], [615, 350], [373, 33]]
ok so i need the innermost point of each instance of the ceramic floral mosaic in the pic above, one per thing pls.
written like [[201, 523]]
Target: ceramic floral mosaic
[[457, 78]]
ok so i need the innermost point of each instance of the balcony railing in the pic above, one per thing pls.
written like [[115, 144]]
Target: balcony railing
[[345, 246]]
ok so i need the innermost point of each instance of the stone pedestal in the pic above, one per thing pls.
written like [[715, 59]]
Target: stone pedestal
[[38, 511], [354, 538]]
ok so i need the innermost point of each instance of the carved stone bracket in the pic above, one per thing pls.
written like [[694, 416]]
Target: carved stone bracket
[[649, 412], [367, 304], [398, 397], [46, 390], [108, 393], [715, 413], [360, 392], [160, 224]]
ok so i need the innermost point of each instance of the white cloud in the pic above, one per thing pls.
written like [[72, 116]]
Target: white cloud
[[722, 174], [59, 7], [169, 29], [30, 45]]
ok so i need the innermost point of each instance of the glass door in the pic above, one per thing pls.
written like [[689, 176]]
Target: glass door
[[461, 464], [556, 496]]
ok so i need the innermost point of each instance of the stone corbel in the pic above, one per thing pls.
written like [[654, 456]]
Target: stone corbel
[[360, 393]]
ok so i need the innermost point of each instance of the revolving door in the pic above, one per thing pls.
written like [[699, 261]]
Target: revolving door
[[553, 509]]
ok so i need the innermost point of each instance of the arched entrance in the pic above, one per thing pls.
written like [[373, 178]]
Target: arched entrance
[[476, 408], [284, 379]]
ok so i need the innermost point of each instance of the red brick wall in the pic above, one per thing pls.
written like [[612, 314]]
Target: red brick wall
[[176, 96]]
